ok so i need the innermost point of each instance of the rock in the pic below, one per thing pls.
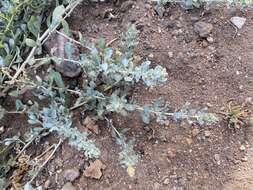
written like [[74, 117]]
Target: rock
[[170, 53], [171, 152], [55, 46], [189, 141], [242, 148], [156, 186], [1, 130], [210, 39], [125, 6], [47, 184], [217, 159], [94, 170], [91, 125], [244, 159], [166, 181], [194, 18], [248, 100], [68, 186], [159, 10], [203, 28], [168, 24], [151, 55], [238, 21], [71, 174], [207, 133]]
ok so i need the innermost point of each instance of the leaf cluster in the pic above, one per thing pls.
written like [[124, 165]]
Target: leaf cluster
[[56, 118]]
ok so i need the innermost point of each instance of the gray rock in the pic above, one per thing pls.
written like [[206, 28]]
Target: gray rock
[[68, 186], [238, 21], [55, 46], [71, 174], [203, 28], [159, 10]]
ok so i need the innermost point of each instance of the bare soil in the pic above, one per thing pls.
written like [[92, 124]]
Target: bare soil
[[175, 156]]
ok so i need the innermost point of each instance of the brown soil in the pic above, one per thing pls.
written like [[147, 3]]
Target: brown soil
[[177, 156]]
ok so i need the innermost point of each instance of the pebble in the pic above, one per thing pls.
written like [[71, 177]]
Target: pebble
[[244, 159], [207, 133], [210, 39], [203, 28], [189, 141], [238, 21], [242, 148], [1, 129], [47, 184], [156, 186], [159, 10], [166, 181], [170, 53], [151, 55], [217, 159], [71, 174], [171, 152], [68, 186], [248, 100]]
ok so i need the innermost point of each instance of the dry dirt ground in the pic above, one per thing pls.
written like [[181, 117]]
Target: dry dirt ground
[[176, 156]]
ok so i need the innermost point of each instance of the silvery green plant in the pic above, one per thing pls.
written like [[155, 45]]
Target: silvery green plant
[[56, 118], [128, 158]]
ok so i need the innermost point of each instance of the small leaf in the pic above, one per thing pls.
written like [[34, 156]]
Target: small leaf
[[30, 42], [68, 49], [65, 26], [57, 15], [54, 76], [34, 25], [19, 105]]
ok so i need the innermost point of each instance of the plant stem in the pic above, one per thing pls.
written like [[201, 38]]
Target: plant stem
[[46, 161], [42, 40]]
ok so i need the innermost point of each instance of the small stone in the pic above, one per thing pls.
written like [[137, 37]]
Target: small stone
[[204, 43], [238, 21], [207, 133], [195, 132], [47, 184], [188, 141], [172, 152], [194, 18], [242, 148], [244, 159], [248, 100], [170, 53], [95, 170], [210, 39], [1, 129], [151, 55], [156, 186], [55, 46], [71, 174], [68, 186], [217, 159], [203, 28], [166, 181], [159, 10]]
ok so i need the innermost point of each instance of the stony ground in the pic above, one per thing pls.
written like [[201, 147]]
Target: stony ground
[[209, 62]]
